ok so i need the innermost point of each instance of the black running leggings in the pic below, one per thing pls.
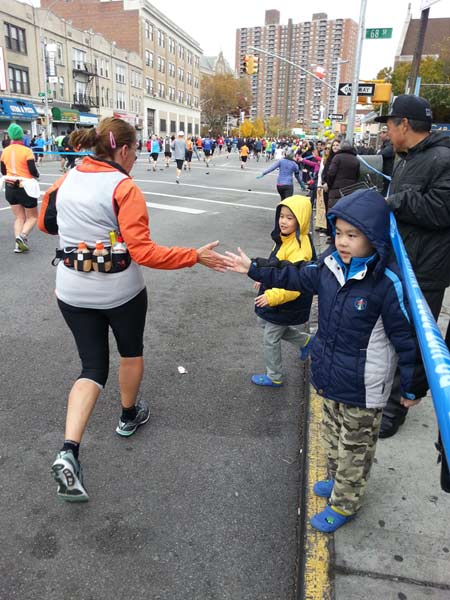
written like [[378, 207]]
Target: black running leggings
[[90, 328], [285, 191]]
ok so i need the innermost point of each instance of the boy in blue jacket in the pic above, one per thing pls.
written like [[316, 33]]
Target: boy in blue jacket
[[278, 309], [363, 330]]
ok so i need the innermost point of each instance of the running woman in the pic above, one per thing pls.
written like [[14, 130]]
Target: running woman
[[89, 203]]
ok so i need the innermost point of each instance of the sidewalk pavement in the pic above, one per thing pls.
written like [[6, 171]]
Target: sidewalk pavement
[[399, 545]]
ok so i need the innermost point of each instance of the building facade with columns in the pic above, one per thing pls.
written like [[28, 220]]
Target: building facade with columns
[[171, 58]]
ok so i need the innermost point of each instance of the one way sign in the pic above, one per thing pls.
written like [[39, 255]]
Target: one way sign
[[364, 89]]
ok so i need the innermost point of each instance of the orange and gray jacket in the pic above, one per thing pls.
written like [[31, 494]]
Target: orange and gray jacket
[[105, 199]]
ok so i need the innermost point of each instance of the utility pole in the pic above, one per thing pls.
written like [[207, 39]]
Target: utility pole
[[413, 74], [355, 81]]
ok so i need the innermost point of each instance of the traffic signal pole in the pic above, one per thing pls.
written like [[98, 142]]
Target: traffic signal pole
[[355, 81], [254, 49]]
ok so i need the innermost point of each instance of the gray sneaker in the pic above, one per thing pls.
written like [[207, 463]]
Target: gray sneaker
[[68, 473], [22, 243], [142, 416]]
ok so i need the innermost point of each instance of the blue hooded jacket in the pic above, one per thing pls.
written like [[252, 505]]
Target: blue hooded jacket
[[364, 325]]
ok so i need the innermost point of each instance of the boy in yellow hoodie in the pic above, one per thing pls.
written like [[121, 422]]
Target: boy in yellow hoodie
[[277, 309]]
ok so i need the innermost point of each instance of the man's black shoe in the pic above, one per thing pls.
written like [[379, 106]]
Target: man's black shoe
[[389, 427]]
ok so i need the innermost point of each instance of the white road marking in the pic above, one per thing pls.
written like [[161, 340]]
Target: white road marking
[[192, 211], [207, 187], [186, 210], [209, 201]]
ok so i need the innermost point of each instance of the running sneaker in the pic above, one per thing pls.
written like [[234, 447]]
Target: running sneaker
[[127, 428], [22, 243], [304, 350], [17, 250], [266, 381], [68, 474]]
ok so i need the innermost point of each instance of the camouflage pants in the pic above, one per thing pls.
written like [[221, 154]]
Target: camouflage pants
[[349, 437]]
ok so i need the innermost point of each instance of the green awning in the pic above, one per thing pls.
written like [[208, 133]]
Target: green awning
[[66, 115]]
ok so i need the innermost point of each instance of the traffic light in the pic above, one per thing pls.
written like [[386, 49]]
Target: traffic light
[[382, 93], [251, 64], [244, 64]]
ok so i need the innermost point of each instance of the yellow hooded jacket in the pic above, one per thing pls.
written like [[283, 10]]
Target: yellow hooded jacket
[[295, 247], [288, 307]]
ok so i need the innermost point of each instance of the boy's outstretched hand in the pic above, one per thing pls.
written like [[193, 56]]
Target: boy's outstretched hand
[[261, 301], [209, 258], [240, 263]]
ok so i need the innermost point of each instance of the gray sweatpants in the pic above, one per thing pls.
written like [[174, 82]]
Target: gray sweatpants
[[273, 334]]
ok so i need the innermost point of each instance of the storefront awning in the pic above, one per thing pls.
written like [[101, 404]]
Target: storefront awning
[[65, 115], [17, 110], [88, 119]]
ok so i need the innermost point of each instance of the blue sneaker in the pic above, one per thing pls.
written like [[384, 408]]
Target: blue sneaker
[[304, 350], [329, 520], [265, 380], [323, 488]]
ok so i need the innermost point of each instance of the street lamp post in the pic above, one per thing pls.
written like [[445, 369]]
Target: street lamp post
[[44, 67], [355, 81]]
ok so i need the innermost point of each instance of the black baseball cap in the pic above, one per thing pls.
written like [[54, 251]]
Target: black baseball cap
[[409, 107]]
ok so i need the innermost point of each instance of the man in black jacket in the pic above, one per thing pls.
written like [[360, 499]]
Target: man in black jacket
[[387, 152], [419, 196]]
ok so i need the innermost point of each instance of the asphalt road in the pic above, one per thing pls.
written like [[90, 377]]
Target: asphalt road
[[202, 502]]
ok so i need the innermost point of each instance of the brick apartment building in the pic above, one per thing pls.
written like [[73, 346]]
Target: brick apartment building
[[284, 90], [171, 58]]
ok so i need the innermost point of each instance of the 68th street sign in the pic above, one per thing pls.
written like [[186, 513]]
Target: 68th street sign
[[364, 89]]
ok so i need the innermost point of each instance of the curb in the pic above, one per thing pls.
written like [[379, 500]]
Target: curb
[[316, 568]]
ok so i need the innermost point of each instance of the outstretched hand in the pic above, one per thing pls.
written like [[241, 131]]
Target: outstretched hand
[[211, 259], [240, 263]]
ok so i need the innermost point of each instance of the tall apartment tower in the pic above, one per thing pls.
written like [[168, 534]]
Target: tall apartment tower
[[286, 91], [171, 57]]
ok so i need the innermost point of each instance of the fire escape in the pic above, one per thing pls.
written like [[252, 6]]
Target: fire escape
[[85, 74]]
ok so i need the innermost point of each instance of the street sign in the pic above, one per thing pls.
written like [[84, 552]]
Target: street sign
[[364, 89], [41, 94], [379, 33], [49, 100], [336, 116]]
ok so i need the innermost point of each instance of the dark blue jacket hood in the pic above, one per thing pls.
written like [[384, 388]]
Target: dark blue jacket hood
[[367, 210]]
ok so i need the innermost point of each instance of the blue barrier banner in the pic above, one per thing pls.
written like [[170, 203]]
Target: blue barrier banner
[[435, 354]]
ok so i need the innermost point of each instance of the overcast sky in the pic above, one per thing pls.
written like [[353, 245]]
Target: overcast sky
[[213, 23], [224, 18]]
